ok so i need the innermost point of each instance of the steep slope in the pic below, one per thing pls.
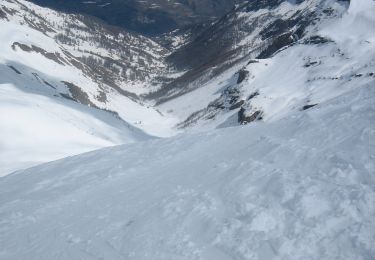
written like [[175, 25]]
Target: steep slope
[[40, 119], [35, 128], [93, 63], [287, 57], [297, 182], [334, 56], [114, 59], [49, 103], [299, 188], [256, 29]]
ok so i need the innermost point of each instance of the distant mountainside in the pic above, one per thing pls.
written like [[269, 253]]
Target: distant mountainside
[[256, 29], [151, 17]]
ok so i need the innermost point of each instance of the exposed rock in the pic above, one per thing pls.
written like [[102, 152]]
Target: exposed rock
[[316, 39], [49, 55], [102, 97], [237, 105], [305, 107], [218, 103], [253, 95], [78, 95], [245, 118], [278, 43], [311, 63], [252, 61], [3, 15], [242, 75]]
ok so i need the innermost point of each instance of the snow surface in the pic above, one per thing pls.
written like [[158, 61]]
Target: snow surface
[[36, 129], [37, 124], [297, 188]]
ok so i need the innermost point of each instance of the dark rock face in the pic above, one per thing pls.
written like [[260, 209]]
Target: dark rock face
[[253, 95], [278, 43], [260, 4], [237, 105], [308, 106], [3, 15], [311, 63], [316, 39], [282, 33], [242, 75], [78, 95], [245, 119]]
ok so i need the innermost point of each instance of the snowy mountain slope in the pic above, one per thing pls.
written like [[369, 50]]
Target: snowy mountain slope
[[334, 57], [39, 121], [296, 183], [50, 87], [113, 58], [97, 64], [298, 188], [62, 57], [35, 128], [255, 29], [44, 115]]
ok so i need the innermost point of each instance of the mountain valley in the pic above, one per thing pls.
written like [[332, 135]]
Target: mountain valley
[[187, 129]]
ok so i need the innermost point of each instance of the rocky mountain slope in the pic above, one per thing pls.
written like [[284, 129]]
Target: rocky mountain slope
[[152, 17], [297, 73]]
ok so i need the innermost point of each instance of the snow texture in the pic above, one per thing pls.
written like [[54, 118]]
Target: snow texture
[[298, 188]]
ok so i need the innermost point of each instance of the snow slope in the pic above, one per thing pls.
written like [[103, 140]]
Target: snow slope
[[107, 66], [297, 188], [36, 129], [40, 79], [39, 121]]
